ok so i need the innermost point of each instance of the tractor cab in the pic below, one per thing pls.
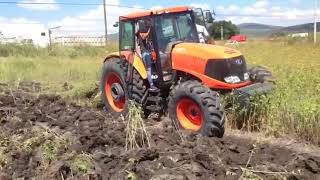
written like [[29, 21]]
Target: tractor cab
[[169, 27]]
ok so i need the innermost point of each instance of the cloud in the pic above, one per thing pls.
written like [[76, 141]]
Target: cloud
[[263, 12], [296, 1], [22, 28], [203, 6], [261, 4], [86, 23], [41, 7], [91, 22]]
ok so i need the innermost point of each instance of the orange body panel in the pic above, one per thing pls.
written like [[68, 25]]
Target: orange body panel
[[192, 58], [133, 59], [155, 11]]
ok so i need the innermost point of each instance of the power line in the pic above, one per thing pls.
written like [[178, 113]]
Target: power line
[[257, 15], [12, 23], [131, 7], [67, 4]]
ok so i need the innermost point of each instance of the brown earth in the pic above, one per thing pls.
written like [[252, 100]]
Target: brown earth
[[45, 137]]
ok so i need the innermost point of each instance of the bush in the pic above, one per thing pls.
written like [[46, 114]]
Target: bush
[[229, 29]]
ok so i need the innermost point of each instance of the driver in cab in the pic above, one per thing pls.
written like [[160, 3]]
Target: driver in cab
[[144, 38]]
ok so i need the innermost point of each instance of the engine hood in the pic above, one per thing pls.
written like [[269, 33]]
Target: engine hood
[[205, 51]]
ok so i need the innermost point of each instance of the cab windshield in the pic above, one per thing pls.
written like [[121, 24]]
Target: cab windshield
[[175, 27]]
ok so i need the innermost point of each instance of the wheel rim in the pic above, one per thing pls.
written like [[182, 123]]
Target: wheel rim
[[117, 104], [189, 114]]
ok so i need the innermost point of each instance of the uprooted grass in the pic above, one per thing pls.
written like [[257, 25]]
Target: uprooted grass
[[136, 133]]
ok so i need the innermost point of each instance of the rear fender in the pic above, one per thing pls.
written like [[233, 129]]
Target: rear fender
[[137, 63]]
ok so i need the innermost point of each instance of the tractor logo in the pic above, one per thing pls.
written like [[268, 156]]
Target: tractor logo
[[239, 61]]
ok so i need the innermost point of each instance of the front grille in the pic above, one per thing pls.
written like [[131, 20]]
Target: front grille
[[220, 69]]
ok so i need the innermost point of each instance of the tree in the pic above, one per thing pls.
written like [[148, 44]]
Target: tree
[[229, 29]]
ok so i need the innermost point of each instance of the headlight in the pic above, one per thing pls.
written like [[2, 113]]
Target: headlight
[[246, 76], [232, 79]]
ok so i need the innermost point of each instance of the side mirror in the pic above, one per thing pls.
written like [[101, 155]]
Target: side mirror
[[208, 17], [116, 24]]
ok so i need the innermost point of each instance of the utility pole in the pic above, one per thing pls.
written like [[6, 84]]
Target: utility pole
[[315, 21], [105, 22], [50, 38], [221, 32]]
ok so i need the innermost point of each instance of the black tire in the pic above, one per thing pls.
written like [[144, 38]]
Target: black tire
[[137, 89], [116, 66], [209, 103]]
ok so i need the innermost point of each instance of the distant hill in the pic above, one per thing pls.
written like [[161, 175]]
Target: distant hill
[[300, 28], [257, 30], [263, 30], [257, 26]]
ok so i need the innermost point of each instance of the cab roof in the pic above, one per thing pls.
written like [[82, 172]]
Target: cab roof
[[141, 14]]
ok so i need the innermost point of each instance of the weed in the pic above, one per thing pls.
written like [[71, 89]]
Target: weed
[[136, 134], [131, 175], [3, 161], [83, 163], [294, 106], [48, 152]]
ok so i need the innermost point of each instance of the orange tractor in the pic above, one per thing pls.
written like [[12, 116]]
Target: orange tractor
[[189, 75]]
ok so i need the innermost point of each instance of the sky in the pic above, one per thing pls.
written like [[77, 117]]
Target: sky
[[29, 20]]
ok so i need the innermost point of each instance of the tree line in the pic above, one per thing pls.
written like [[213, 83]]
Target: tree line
[[229, 29]]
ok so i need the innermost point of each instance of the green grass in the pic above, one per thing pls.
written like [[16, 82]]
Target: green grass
[[79, 67], [53, 73], [293, 108]]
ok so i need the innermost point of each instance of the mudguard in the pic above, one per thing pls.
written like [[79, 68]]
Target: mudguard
[[137, 63]]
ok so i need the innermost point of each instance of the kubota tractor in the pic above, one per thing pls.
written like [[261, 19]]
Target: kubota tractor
[[189, 75]]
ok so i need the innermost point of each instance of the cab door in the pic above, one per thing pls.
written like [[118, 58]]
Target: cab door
[[127, 40]]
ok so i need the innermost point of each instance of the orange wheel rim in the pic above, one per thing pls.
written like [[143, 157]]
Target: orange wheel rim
[[116, 105], [189, 114]]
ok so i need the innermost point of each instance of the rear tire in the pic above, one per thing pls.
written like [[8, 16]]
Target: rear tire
[[185, 101], [113, 72], [137, 89]]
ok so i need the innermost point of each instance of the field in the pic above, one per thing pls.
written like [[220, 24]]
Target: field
[[50, 125], [294, 108]]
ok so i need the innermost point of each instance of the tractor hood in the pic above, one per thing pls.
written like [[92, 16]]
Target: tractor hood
[[205, 51], [216, 66]]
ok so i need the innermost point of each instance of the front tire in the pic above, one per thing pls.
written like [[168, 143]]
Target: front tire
[[193, 106], [113, 87]]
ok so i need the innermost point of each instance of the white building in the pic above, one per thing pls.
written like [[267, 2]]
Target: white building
[[80, 40], [299, 35]]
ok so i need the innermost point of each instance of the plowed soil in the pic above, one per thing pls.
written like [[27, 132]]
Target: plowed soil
[[45, 137]]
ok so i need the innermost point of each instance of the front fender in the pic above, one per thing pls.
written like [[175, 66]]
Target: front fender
[[137, 63]]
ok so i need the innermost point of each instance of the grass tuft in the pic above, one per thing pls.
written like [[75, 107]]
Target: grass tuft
[[136, 133], [83, 163]]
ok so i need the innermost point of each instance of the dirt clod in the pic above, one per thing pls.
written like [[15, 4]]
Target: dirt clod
[[45, 136]]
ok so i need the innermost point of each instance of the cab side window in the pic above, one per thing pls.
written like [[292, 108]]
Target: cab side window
[[167, 28], [127, 36]]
